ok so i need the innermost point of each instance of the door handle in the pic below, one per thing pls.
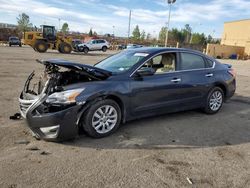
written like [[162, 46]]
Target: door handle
[[176, 80], [209, 75]]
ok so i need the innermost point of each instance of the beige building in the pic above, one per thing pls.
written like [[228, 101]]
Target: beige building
[[235, 40], [237, 33]]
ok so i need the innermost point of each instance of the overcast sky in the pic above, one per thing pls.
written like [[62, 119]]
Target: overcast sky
[[202, 15]]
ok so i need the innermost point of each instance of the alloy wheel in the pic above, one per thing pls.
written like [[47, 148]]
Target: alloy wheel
[[215, 100], [104, 119]]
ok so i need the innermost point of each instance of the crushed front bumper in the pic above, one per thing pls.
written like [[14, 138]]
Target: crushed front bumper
[[56, 126], [52, 126]]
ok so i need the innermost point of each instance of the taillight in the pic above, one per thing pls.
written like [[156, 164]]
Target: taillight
[[232, 72]]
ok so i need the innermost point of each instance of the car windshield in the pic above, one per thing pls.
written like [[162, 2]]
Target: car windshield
[[121, 62]]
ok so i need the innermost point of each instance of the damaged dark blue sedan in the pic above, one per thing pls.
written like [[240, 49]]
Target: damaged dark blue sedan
[[132, 84]]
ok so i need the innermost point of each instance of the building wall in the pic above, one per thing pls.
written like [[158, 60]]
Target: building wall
[[247, 49], [236, 33], [224, 51]]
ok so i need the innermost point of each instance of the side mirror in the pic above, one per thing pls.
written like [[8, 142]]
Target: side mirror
[[145, 71]]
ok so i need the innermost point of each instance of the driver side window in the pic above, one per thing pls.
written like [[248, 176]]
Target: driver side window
[[162, 63]]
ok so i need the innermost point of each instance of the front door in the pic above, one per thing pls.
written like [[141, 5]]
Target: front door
[[157, 92]]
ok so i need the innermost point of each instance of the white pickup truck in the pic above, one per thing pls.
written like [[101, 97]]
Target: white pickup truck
[[92, 45]]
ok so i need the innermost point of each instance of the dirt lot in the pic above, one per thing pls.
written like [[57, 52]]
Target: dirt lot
[[214, 151]]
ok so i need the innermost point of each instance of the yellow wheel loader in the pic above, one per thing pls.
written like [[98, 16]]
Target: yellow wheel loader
[[48, 38]]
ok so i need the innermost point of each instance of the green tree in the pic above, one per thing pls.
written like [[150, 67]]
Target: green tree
[[65, 28], [143, 35], [148, 37], [136, 33], [177, 35], [23, 22], [198, 38], [90, 32], [95, 33], [162, 34], [209, 39], [187, 31]]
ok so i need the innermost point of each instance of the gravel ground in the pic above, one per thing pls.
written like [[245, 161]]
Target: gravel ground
[[213, 151]]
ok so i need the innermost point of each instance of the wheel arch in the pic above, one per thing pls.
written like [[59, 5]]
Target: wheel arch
[[113, 97], [85, 46], [223, 87], [119, 101]]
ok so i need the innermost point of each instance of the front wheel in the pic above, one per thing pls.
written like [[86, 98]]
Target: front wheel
[[214, 101], [85, 50], [102, 118]]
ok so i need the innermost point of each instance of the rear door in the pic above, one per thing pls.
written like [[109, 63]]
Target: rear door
[[100, 44], [196, 77]]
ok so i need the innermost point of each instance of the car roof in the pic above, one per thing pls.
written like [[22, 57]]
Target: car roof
[[156, 50], [162, 49]]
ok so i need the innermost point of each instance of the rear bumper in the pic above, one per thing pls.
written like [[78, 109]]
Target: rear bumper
[[231, 89], [56, 126]]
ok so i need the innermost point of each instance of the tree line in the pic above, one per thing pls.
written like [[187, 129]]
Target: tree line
[[182, 36]]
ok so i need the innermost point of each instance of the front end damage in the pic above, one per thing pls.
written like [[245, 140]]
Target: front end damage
[[47, 103]]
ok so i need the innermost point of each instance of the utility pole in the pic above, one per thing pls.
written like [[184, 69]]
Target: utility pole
[[59, 20], [129, 22], [170, 2], [113, 31]]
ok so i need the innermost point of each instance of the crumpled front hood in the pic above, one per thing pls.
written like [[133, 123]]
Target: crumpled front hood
[[97, 72]]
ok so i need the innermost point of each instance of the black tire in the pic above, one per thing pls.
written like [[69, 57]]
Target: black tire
[[41, 46], [9, 45], [104, 48], [86, 50], [59, 50], [20, 45], [65, 48], [208, 108], [86, 120], [80, 48]]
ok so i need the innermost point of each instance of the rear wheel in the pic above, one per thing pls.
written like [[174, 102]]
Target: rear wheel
[[65, 48], [214, 101], [104, 48], [102, 118], [41, 46]]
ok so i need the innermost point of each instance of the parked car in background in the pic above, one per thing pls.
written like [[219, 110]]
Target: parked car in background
[[93, 45], [122, 46], [131, 46], [75, 43], [132, 84], [14, 41]]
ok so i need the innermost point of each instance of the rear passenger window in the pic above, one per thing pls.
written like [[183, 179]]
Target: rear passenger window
[[191, 61], [100, 41], [210, 63]]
